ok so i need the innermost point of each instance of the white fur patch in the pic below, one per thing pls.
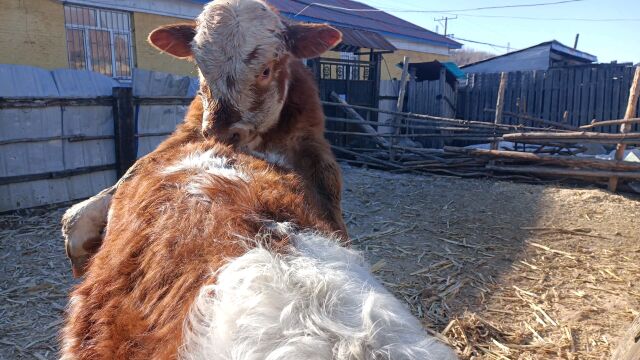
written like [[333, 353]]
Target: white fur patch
[[68, 341], [208, 162], [273, 158], [227, 32], [207, 165], [85, 221], [319, 302], [235, 40]]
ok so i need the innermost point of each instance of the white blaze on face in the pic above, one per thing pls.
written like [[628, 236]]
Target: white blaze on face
[[235, 40]]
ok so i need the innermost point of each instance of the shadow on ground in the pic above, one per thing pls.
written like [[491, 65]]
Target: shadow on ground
[[504, 270]]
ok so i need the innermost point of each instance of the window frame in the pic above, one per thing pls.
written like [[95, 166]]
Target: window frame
[[85, 29]]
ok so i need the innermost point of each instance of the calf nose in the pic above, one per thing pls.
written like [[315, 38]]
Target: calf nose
[[238, 136], [219, 119]]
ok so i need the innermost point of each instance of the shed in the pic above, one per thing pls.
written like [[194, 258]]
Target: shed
[[539, 57], [429, 71]]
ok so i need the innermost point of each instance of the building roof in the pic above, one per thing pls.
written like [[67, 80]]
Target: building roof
[[554, 45], [353, 39], [378, 21]]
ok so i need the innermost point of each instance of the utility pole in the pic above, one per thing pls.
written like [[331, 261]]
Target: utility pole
[[446, 22]]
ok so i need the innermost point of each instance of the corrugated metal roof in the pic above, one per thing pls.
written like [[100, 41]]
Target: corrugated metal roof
[[380, 22], [554, 45], [358, 38], [454, 69], [559, 47]]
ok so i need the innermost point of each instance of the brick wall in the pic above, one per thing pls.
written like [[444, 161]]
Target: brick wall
[[414, 57], [148, 57], [32, 33]]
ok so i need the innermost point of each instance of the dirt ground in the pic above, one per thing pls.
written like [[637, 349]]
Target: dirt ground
[[499, 270]]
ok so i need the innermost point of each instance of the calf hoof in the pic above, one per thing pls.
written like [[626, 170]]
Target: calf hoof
[[82, 228]]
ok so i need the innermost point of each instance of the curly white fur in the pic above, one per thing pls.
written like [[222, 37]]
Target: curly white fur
[[317, 302]]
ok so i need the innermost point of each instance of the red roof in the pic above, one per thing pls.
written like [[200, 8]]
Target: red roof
[[381, 22]]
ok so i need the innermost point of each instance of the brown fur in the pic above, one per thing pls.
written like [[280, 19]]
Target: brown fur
[[298, 135], [305, 40], [302, 120], [162, 245]]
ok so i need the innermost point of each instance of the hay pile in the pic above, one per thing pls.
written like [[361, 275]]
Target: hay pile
[[34, 282], [502, 270], [498, 270]]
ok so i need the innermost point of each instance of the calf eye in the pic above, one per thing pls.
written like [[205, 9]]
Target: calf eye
[[266, 72]]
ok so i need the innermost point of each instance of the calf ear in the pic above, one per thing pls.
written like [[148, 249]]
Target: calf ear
[[174, 39], [307, 41]]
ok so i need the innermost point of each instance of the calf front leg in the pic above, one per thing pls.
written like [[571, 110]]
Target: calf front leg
[[323, 180], [83, 225], [82, 228]]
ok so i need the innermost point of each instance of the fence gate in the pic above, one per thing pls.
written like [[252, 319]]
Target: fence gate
[[355, 81]]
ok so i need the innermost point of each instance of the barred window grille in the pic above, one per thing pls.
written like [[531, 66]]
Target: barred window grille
[[99, 40], [354, 70], [326, 71]]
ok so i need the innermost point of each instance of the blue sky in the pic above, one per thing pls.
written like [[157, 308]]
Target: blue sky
[[611, 40]]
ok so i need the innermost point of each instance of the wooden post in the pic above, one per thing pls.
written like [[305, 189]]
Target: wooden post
[[634, 94], [399, 106], [500, 105], [443, 100], [124, 128], [361, 121]]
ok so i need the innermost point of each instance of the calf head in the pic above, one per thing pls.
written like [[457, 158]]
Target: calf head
[[242, 49]]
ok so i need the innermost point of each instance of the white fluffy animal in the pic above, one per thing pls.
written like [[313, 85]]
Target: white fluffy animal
[[318, 302]]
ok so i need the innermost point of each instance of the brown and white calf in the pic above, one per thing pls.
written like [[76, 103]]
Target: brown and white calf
[[255, 95], [214, 254]]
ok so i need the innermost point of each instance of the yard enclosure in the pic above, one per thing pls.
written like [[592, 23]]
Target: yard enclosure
[[574, 95], [66, 134], [501, 270], [486, 261]]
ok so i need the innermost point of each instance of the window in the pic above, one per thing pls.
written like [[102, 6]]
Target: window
[[353, 70], [99, 40]]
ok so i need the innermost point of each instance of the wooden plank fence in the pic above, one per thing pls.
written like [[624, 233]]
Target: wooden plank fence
[[574, 96], [436, 98], [124, 140]]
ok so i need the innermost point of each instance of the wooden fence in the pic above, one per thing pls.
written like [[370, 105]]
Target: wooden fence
[[435, 98], [67, 134], [123, 143], [549, 151], [574, 95]]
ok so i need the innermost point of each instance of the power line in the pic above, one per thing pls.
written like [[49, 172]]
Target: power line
[[406, 25], [496, 7], [435, 11], [483, 43], [446, 22], [551, 19]]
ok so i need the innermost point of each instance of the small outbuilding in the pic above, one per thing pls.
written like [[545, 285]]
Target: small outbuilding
[[433, 70], [539, 57]]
